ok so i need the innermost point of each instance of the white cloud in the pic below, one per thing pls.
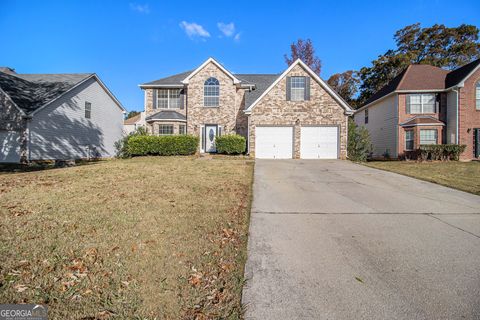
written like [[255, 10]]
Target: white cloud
[[228, 29], [194, 30], [237, 37], [141, 8]]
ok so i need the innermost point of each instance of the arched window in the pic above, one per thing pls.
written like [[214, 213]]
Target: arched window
[[477, 95], [211, 92]]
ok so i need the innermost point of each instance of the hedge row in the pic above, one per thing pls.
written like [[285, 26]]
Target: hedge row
[[231, 144], [162, 145], [441, 152]]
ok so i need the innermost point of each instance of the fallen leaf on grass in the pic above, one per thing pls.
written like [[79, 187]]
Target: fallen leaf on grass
[[20, 287]]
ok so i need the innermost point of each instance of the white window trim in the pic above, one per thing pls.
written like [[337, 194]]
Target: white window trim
[[169, 98], [436, 136], [477, 95], [413, 140], [165, 125], [408, 104]]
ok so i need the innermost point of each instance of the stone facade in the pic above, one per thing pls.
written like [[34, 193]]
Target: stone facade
[[468, 115], [321, 109], [229, 114]]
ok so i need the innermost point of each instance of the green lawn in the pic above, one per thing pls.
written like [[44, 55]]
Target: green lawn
[[459, 175], [149, 237]]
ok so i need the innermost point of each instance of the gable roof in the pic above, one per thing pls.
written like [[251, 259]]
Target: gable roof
[[261, 83], [424, 77], [459, 75], [414, 77], [31, 92], [322, 83], [174, 80], [133, 120], [228, 73]]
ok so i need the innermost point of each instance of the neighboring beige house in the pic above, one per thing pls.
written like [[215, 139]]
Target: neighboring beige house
[[132, 124], [425, 105], [290, 115]]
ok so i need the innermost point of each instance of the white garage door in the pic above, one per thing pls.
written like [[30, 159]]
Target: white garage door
[[9, 146], [319, 143], [274, 142]]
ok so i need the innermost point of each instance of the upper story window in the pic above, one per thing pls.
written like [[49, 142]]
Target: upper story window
[[477, 95], [168, 98], [421, 103], [211, 93], [297, 88], [88, 110], [366, 116]]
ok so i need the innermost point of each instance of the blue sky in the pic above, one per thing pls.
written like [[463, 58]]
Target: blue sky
[[130, 42]]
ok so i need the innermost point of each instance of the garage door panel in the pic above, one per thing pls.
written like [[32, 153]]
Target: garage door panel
[[319, 142], [273, 142]]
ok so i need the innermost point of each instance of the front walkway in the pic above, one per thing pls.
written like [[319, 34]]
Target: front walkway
[[335, 240]]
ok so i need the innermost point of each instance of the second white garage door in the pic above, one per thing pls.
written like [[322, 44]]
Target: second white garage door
[[274, 142], [319, 143]]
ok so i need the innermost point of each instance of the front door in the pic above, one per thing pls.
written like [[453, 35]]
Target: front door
[[210, 134]]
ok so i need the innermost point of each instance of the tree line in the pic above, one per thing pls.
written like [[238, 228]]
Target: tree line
[[438, 45]]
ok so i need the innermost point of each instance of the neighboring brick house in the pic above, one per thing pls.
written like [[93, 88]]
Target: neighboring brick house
[[425, 105], [290, 115], [57, 117]]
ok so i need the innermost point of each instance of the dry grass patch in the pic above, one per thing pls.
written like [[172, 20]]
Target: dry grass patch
[[140, 238], [459, 175]]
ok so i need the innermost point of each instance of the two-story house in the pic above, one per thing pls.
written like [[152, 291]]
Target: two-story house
[[57, 117], [290, 115], [425, 105]]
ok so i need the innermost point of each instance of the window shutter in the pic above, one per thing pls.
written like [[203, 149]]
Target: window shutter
[[307, 88], [154, 97], [407, 104], [203, 138], [289, 85], [219, 130], [182, 99]]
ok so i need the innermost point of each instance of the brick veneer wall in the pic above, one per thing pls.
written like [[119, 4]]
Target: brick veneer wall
[[321, 109], [468, 116], [403, 116]]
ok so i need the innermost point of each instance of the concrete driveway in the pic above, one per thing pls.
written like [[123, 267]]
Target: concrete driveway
[[336, 240]]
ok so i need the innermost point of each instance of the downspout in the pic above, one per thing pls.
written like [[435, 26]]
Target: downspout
[[457, 103]]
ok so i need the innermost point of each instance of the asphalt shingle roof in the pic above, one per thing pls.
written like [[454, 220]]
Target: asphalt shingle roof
[[457, 75], [167, 115], [261, 82], [176, 79], [30, 92], [425, 77]]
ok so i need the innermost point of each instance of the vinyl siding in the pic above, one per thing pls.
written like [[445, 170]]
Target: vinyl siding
[[451, 117], [382, 126], [61, 131]]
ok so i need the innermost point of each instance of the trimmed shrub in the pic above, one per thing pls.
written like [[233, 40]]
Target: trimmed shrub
[[121, 145], [231, 144], [443, 152], [359, 146], [162, 145]]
